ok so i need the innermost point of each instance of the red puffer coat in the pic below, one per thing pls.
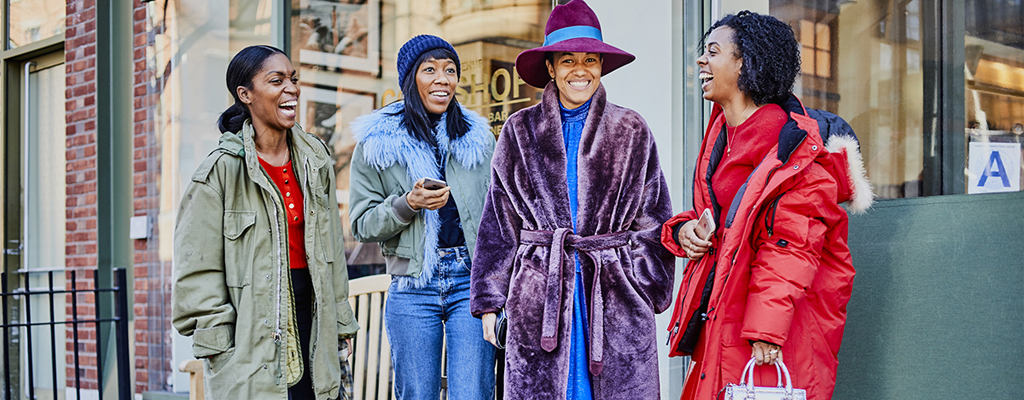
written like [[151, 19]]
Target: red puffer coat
[[780, 269]]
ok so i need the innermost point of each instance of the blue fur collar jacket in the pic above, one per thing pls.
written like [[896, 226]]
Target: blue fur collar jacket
[[387, 162]]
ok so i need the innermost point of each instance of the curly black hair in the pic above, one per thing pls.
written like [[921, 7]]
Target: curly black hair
[[770, 53]]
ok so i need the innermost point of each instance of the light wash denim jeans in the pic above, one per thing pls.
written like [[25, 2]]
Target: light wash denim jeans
[[418, 320]]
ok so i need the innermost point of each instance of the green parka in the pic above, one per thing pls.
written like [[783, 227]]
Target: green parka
[[232, 290]]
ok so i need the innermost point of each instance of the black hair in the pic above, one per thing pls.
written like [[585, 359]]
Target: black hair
[[241, 71], [770, 53], [415, 119]]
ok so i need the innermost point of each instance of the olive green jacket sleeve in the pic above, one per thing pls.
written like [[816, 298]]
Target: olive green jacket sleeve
[[201, 304]]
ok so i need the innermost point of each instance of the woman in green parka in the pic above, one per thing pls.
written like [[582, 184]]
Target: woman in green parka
[[261, 283]]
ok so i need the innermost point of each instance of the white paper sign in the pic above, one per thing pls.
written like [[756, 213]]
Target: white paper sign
[[993, 167]]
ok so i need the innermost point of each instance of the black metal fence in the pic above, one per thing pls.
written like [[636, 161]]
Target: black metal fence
[[17, 323]]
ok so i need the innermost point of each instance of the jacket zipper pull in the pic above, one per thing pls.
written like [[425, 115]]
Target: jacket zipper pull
[[277, 357], [675, 330], [704, 315]]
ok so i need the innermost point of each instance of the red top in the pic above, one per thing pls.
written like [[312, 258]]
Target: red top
[[751, 141], [291, 192]]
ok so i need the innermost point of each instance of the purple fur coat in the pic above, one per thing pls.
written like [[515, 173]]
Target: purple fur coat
[[523, 259]]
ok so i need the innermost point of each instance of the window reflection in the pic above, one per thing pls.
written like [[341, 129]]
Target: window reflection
[[862, 61], [345, 51], [33, 20], [994, 91]]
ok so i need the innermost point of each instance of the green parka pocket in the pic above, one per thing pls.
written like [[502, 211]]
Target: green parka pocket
[[238, 254]]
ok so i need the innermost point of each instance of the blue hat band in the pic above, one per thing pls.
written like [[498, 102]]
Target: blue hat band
[[572, 32]]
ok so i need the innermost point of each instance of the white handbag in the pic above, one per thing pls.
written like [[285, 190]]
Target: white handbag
[[746, 389]]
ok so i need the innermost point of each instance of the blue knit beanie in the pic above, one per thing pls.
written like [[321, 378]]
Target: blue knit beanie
[[418, 45]]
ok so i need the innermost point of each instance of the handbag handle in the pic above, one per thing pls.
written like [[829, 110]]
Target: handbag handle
[[747, 379]]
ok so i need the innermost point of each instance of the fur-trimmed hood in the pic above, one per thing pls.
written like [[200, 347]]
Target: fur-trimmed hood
[[387, 142], [843, 155]]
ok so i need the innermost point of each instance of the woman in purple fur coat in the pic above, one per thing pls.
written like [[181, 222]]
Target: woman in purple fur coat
[[569, 240]]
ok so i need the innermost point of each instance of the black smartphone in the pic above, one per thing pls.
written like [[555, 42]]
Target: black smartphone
[[434, 184]]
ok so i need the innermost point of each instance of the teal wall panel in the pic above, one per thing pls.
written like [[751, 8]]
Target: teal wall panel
[[938, 302]]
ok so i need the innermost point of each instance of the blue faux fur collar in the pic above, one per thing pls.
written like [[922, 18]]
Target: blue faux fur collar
[[386, 142]]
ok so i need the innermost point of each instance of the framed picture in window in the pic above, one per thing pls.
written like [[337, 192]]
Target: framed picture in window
[[327, 113], [339, 34]]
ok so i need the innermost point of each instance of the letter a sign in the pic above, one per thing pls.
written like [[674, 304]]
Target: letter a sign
[[993, 167]]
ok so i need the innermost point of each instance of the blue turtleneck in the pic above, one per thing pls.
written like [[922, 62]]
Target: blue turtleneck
[[579, 376]]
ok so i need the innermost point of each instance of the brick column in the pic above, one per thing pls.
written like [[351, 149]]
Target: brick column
[[81, 235]]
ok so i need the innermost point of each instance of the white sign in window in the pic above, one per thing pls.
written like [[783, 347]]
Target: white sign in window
[[993, 167]]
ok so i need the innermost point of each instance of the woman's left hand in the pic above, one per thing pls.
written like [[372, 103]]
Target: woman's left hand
[[766, 353]]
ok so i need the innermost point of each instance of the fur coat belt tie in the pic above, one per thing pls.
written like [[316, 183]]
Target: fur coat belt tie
[[561, 241]]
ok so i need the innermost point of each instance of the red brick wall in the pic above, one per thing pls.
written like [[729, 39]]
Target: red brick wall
[[151, 298], [80, 247]]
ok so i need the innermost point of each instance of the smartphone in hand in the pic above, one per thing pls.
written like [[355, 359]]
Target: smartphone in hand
[[434, 184], [705, 225]]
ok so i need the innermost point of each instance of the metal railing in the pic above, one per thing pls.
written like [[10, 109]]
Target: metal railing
[[24, 295]]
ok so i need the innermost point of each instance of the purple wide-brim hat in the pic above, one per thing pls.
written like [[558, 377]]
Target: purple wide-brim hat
[[572, 27]]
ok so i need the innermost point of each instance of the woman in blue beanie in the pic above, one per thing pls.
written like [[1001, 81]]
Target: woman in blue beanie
[[426, 230]]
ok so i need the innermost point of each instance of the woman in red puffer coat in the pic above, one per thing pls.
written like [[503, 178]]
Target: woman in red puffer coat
[[776, 275]]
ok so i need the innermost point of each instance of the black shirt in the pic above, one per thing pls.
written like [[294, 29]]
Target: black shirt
[[451, 234]]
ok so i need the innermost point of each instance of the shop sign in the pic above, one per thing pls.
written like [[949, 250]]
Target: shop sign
[[993, 167]]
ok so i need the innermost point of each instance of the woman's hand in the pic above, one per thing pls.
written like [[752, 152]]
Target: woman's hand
[[420, 197], [766, 353], [489, 320], [695, 247]]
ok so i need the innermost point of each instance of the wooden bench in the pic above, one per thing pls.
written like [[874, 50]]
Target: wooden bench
[[195, 379]]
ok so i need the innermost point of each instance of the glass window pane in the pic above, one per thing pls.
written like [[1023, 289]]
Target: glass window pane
[[994, 91], [824, 66], [807, 60], [34, 20], [822, 34], [192, 43], [872, 86], [346, 53], [807, 33]]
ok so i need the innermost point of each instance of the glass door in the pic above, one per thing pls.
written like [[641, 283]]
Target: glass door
[[43, 196]]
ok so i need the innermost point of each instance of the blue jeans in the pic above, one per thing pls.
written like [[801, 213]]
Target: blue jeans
[[417, 320]]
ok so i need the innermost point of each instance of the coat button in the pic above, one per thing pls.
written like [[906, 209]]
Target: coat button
[[264, 366], [796, 167], [268, 277], [701, 375], [814, 147]]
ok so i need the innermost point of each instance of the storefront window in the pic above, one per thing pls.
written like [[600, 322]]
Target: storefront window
[[345, 51], [862, 61], [30, 21], [994, 90], [193, 41]]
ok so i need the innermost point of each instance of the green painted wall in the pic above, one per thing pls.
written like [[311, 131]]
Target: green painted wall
[[938, 302]]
